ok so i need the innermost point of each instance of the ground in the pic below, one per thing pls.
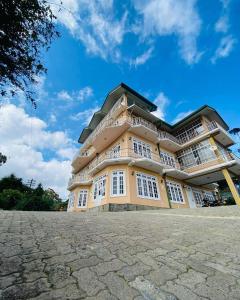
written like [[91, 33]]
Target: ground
[[165, 254]]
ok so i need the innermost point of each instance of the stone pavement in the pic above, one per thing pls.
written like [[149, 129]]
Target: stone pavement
[[165, 254]]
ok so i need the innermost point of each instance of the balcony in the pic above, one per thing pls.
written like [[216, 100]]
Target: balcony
[[143, 128], [198, 133], [150, 161], [76, 180], [168, 141], [108, 121], [221, 135], [81, 159]]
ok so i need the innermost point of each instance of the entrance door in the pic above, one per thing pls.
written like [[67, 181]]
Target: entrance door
[[191, 201]]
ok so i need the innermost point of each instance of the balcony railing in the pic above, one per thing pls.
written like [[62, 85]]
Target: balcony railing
[[81, 178], [194, 162], [141, 121], [166, 135], [129, 153], [106, 121]]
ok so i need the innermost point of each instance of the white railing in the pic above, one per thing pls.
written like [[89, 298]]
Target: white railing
[[81, 178], [166, 135], [198, 162], [106, 121], [131, 154], [141, 121]]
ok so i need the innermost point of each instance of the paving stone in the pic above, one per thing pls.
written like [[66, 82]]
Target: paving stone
[[25, 290], [130, 272], [149, 291], [164, 254], [88, 281], [119, 287], [105, 267], [70, 292], [83, 262]]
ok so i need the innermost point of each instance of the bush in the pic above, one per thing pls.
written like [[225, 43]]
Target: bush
[[9, 198]]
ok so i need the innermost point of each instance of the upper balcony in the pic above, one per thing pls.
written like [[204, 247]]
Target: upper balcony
[[110, 120], [80, 179], [82, 158], [150, 161]]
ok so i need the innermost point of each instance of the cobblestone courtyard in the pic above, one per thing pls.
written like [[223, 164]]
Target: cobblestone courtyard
[[167, 254]]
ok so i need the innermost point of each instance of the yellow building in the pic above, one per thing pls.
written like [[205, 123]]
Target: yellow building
[[130, 159]]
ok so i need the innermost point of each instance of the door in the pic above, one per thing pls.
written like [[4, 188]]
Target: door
[[191, 201]]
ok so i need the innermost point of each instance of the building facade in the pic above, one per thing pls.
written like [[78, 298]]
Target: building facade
[[130, 159]]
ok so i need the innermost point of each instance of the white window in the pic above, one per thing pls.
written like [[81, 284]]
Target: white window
[[209, 196], [147, 186], [118, 183], [175, 192], [99, 187], [71, 200], [196, 154], [82, 198], [115, 151], [141, 148], [190, 131], [198, 197], [167, 159]]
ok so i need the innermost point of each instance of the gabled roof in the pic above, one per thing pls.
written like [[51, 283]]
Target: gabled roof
[[138, 99]]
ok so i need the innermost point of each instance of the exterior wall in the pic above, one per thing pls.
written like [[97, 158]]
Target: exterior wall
[[162, 202], [125, 141]]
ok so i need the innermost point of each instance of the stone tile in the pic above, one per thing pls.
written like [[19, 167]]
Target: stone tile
[[119, 287], [88, 281]]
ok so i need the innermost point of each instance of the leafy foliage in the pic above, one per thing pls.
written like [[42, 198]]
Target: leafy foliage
[[14, 194], [26, 29], [3, 159]]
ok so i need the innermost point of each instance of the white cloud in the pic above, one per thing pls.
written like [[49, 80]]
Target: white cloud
[[142, 59], [162, 102], [64, 95], [224, 49], [85, 116], [168, 17], [222, 24], [81, 95], [25, 145], [181, 116], [95, 24]]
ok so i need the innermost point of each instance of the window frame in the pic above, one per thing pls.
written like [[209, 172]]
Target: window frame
[[169, 189], [84, 193], [145, 179], [99, 185], [118, 183], [142, 149], [71, 200]]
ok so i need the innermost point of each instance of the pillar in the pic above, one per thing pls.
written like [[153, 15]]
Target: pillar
[[231, 186]]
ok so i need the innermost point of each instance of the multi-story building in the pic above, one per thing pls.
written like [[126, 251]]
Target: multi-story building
[[131, 159]]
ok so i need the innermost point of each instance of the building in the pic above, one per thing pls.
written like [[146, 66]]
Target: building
[[130, 159]]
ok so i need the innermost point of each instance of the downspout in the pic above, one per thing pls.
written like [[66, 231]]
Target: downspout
[[164, 177]]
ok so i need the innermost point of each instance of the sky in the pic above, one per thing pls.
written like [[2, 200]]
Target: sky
[[180, 54]]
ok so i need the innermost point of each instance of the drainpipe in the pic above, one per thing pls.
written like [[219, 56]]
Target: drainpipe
[[164, 177], [164, 180]]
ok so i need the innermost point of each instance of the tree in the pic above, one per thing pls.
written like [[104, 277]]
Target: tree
[[10, 198], [3, 159], [26, 29], [235, 131], [12, 182]]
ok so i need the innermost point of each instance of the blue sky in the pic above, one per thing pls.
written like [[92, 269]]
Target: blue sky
[[179, 54]]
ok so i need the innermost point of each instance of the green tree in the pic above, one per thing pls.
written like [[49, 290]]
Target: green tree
[[3, 159], [26, 29], [12, 182], [10, 198]]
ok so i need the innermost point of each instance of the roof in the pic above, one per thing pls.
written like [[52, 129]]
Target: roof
[[109, 101], [122, 88]]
